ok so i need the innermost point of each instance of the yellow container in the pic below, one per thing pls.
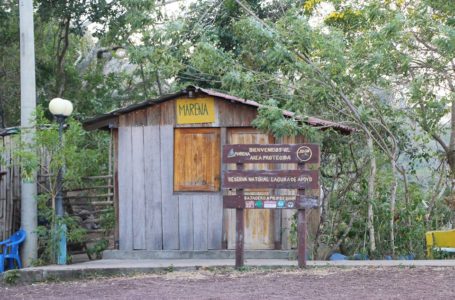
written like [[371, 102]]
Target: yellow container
[[441, 239]]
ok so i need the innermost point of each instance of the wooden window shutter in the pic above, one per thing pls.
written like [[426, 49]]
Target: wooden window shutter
[[197, 159]]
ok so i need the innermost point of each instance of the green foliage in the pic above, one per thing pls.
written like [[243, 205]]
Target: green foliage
[[438, 254], [107, 223], [271, 120], [293, 231], [49, 235], [9, 71], [243, 269], [11, 276], [107, 220], [348, 19], [429, 109], [170, 268], [81, 154], [97, 249], [49, 230]]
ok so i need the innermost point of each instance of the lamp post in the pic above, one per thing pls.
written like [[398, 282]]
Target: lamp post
[[61, 109]]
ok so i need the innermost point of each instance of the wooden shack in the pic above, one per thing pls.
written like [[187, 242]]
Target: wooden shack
[[168, 169]]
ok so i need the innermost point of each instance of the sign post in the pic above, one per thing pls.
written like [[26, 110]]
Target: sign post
[[239, 231], [301, 229], [299, 179]]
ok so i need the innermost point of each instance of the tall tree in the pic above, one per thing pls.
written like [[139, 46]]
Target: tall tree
[[9, 64]]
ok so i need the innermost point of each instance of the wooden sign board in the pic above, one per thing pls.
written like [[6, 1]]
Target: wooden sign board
[[275, 153], [192, 111], [261, 202], [282, 179]]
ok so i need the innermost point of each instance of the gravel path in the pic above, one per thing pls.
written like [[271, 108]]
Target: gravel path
[[312, 283]]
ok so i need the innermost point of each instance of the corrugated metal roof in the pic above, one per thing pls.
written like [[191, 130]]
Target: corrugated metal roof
[[133, 107], [309, 120], [316, 122]]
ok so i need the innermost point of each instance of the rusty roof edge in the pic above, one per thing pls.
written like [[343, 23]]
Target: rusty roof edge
[[131, 107], [309, 120], [313, 121]]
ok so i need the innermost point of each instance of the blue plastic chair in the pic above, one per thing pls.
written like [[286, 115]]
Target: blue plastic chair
[[2, 263], [10, 250]]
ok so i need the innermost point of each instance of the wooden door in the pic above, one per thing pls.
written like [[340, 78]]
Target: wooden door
[[259, 223]]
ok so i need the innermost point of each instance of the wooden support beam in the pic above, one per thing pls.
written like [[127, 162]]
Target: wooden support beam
[[239, 231], [301, 228]]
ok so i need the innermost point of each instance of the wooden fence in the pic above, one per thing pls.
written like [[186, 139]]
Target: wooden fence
[[10, 188], [85, 204], [88, 204]]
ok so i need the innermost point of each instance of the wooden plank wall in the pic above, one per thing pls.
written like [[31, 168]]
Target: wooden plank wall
[[125, 189], [151, 215], [153, 229], [170, 202], [138, 205], [9, 188], [200, 221]]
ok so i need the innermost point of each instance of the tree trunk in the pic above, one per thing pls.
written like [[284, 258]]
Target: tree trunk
[[450, 150], [451, 154], [2, 114], [345, 233], [62, 49], [393, 198], [371, 192], [402, 171]]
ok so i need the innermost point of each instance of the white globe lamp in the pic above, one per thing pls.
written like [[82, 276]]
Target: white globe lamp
[[61, 107]]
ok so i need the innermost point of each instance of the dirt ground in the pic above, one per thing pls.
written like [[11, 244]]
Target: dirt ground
[[312, 283]]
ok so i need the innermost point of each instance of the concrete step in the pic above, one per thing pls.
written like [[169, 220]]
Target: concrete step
[[209, 254]]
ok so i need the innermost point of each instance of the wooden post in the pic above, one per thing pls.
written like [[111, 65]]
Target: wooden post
[[115, 144], [239, 238], [239, 231], [224, 141], [301, 231], [301, 228]]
